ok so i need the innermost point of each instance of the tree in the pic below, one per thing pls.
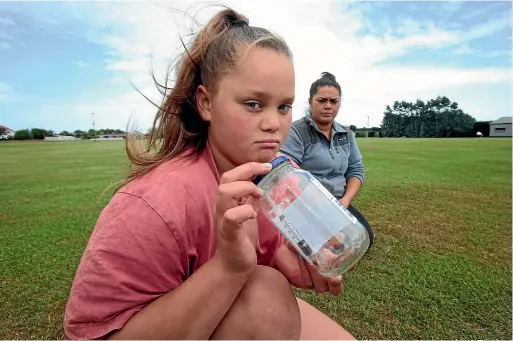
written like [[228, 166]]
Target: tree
[[79, 133], [22, 134], [38, 134], [439, 117], [91, 133], [352, 127]]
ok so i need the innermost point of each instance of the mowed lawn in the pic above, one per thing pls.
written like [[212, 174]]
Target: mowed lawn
[[440, 267]]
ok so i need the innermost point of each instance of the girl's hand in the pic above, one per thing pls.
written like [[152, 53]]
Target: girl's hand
[[302, 275], [234, 217]]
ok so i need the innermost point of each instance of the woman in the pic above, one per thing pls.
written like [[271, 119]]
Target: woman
[[320, 145], [179, 252]]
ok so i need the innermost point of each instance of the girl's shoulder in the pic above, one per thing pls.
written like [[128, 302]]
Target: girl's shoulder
[[187, 172], [177, 191]]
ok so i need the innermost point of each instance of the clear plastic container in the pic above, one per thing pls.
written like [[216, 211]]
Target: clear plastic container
[[322, 230]]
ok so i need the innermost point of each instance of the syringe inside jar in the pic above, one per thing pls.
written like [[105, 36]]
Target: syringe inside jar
[[284, 194]]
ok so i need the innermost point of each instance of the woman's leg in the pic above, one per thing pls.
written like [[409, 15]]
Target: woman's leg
[[364, 222], [317, 326]]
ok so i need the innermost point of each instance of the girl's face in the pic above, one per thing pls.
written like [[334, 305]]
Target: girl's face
[[325, 105], [250, 112]]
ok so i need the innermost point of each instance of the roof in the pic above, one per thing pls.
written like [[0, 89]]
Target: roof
[[4, 127], [503, 120]]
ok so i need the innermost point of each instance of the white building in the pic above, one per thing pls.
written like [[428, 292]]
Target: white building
[[6, 133], [501, 127], [60, 138]]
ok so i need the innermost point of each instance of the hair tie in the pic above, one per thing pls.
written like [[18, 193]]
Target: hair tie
[[239, 23]]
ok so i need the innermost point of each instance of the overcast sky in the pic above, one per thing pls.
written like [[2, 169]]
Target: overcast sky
[[62, 61]]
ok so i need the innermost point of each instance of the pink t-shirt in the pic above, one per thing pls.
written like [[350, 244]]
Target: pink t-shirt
[[149, 239]]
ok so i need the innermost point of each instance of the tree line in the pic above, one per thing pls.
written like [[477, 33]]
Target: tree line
[[40, 134], [438, 117]]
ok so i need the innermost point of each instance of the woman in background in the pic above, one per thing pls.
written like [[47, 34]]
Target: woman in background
[[320, 145]]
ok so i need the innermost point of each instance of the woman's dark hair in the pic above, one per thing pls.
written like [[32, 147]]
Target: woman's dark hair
[[215, 50], [327, 79]]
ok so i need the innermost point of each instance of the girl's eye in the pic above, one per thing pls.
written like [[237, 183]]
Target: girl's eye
[[285, 108], [253, 106]]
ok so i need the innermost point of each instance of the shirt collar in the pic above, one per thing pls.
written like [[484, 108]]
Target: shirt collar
[[337, 127]]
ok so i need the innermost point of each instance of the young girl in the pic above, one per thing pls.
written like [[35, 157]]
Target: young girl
[[180, 251]]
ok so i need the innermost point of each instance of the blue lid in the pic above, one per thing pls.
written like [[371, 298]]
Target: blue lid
[[274, 163]]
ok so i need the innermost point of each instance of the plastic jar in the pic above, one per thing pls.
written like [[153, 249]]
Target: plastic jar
[[321, 229]]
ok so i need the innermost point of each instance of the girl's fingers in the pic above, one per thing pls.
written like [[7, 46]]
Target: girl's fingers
[[246, 172], [231, 223]]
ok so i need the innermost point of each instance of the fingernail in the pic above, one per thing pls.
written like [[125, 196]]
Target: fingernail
[[268, 165]]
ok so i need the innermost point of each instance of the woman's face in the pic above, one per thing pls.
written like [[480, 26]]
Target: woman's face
[[250, 112], [325, 105]]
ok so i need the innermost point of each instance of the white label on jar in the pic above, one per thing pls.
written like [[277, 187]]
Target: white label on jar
[[302, 223], [330, 196]]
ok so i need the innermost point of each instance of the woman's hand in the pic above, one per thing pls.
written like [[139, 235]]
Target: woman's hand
[[302, 275], [234, 217], [345, 201]]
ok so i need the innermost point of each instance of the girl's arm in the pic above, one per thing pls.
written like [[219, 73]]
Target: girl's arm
[[191, 311]]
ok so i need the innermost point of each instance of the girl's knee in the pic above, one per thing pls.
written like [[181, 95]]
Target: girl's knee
[[271, 300], [266, 308]]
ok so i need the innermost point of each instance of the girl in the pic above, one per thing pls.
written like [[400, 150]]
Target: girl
[[180, 251]]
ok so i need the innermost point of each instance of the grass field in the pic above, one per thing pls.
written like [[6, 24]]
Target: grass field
[[440, 267]]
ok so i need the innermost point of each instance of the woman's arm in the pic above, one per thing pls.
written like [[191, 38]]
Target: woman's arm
[[354, 174], [191, 311], [353, 186]]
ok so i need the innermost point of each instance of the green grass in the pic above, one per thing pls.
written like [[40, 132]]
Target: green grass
[[440, 267]]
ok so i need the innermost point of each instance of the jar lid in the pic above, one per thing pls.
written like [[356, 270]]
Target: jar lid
[[274, 163]]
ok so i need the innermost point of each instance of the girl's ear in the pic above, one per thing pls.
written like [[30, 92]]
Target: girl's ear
[[203, 102]]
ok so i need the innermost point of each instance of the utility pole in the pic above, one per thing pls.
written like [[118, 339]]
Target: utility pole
[[368, 125], [94, 129]]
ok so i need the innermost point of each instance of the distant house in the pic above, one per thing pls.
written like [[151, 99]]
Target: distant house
[[6, 133], [501, 127], [60, 138]]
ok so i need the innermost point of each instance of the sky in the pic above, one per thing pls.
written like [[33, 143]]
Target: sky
[[60, 62]]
